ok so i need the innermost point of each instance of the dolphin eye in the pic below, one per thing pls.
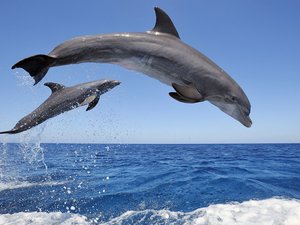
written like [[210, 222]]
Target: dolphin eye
[[230, 99], [233, 99]]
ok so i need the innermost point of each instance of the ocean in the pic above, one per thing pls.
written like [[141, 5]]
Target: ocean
[[149, 184]]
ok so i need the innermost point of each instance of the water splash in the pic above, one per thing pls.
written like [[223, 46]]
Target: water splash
[[272, 211], [7, 174], [23, 79], [3, 148], [30, 146]]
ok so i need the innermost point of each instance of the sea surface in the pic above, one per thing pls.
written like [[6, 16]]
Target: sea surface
[[149, 184]]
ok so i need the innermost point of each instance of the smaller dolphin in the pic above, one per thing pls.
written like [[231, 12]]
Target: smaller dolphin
[[64, 99]]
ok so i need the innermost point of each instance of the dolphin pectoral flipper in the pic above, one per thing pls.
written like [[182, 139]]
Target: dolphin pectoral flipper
[[188, 92], [180, 98], [93, 103], [37, 66]]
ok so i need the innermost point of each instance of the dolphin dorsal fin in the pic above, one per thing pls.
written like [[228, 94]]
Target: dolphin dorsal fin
[[54, 86], [164, 23]]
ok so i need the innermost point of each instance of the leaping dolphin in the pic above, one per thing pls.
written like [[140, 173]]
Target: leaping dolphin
[[64, 99], [158, 53]]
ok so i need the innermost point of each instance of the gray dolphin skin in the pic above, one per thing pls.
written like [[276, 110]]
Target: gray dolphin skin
[[158, 53], [64, 99]]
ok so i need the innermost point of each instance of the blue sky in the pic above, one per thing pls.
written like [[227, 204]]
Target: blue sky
[[256, 42]]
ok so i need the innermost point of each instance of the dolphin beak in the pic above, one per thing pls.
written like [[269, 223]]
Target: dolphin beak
[[106, 85], [247, 122], [243, 116], [115, 82], [236, 111], [112, 83]]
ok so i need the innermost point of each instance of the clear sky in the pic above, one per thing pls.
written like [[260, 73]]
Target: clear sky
[[256, 42]]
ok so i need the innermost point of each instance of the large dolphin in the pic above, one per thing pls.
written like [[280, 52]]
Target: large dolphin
[[158, 53], [64, 99]]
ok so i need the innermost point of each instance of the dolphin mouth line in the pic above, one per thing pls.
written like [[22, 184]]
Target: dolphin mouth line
[[247, 122], [116, 82], [236, 111]]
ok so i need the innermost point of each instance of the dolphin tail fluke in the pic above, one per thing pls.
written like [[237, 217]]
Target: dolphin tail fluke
[[37, 66]]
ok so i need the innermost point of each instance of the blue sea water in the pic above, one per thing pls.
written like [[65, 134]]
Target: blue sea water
[[149, 184]]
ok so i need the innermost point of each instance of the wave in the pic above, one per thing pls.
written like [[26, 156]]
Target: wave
[[273, 211], [42, 218], [24, 184]]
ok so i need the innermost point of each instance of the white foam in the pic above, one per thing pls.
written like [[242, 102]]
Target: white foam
[[273, 211], [24, 184], [42, 218]]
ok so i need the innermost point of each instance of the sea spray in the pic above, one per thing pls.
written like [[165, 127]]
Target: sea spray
[[3, 148], [23, 79], [272, 211], [30, 146], [7, 174]]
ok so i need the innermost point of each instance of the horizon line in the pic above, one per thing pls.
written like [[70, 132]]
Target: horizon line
[[140, 143]]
